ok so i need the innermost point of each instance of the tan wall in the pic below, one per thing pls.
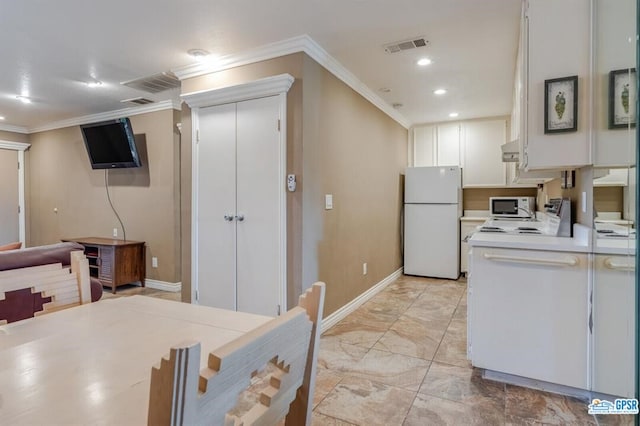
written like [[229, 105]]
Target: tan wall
[[608, 198], [60, 177], [478, 198], [338, 143], [583, 183], [13, 137], [185, 202], [357, 153]]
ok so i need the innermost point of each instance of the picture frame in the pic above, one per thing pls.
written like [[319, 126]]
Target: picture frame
[[622, 98], [561, 105]]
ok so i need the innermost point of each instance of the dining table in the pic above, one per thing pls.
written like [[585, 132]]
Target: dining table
[[91, 364]]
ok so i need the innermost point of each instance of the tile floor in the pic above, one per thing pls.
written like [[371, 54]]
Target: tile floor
[[400, 359]]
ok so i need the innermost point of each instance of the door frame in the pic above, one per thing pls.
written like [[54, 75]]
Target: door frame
[[20, 147], [277, 85]]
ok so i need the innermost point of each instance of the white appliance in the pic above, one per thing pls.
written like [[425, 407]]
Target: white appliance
[[518, 207], [432, 209]]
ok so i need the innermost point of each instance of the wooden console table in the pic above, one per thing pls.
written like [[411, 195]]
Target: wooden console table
[[114, 262]]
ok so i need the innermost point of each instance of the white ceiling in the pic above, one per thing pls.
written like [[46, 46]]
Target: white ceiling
[[51, 48]]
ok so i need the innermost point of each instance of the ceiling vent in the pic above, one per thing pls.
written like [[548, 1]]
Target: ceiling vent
[[137, 101], [399, 46], [155, 83]]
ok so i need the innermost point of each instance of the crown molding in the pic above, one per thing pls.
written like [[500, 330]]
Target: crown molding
[[16, 146], [14, 129], [302, 43], [109, 115], [255, 89]]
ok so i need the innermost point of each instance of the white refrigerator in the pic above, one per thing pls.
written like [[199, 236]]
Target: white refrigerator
[[432, 209]]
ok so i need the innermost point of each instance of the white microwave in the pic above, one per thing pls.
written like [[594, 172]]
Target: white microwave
[[517, 207]]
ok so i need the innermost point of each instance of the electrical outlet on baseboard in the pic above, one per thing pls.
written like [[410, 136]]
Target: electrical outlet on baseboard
[[115, 232], [364, 268], [154, 262]]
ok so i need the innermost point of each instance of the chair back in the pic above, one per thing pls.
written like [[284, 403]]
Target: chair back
[[37, 290], [183, 394]]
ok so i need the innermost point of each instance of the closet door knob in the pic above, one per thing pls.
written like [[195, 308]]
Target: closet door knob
[[228, 217], [240, 217]]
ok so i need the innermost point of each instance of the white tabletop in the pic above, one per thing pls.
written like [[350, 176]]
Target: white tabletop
[[91, 364]]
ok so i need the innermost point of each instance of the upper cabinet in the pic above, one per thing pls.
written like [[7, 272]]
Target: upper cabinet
[[473, 145], [448, 144], [482, 164], [615, 58], [555, 44], [436, 145]]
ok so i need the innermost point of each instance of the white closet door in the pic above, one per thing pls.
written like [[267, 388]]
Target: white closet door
[[258, 197], [9, 224], [216, 197]]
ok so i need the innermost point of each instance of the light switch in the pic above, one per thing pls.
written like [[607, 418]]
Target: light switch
[[328, 201]]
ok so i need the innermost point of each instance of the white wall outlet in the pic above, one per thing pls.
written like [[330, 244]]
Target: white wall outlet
[[115, 232], [328, 201], [364, 268], [154, 262]]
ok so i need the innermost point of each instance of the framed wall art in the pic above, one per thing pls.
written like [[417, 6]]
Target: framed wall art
[[561, 105], [622, 98]]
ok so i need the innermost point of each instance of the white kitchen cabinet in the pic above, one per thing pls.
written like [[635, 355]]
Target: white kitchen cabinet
[[615, 48], [482, 164], [614, 344], [448, 144], [436, 145], [557, 38], [529, 314], [467, 227], [424, 146]]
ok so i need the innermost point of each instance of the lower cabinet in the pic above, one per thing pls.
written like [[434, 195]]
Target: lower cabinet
[[467, 228], [528, 314], [614, 325]]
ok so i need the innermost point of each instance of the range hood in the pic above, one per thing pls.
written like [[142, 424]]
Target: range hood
[[511, 152]]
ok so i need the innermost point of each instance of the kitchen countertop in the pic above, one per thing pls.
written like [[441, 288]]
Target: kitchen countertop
[[580, 242], [625, 246], [475, 216]]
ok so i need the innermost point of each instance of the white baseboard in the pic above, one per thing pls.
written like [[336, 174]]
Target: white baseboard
[[163, 285], [341, 313]]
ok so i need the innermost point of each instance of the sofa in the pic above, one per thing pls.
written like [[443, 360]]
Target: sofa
[[21, 304]]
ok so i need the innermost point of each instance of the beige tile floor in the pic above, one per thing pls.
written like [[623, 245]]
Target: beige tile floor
[[400, 359]]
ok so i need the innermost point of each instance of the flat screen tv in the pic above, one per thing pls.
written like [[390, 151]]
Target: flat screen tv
[[111, 144]]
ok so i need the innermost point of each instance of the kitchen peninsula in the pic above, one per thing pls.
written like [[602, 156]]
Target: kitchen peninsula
[[538, 318]]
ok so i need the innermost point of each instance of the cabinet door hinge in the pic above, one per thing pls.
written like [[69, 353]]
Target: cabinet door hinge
[[198, 136], [278, 309], [197, 295], [18, 209], [278, 124], [18, 165]]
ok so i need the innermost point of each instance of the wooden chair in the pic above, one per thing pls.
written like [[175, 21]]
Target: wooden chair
[[182, 394], [56, 287]]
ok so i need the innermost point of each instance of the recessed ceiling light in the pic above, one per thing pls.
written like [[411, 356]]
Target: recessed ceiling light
[[23, 99], [198, 54], [424, 61], [94, 83], [453, 114], [1, 117], [439, 91]]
